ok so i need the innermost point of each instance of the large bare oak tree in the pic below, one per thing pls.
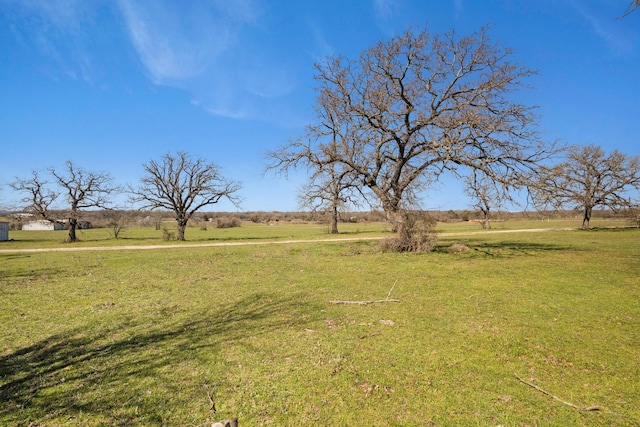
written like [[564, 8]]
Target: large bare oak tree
[[587, 179], [79, 188], [183, 185], [415, 107]]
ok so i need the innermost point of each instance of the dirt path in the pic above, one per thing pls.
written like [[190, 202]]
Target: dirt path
[[265, 242]]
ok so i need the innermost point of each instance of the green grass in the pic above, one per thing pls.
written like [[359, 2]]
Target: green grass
[[139, 236], [149, 337], [524, 224]]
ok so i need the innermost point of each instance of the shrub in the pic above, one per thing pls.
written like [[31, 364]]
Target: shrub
[[167, 235], [417, 235], [228, 222]]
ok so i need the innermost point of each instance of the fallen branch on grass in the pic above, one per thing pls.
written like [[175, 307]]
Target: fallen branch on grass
[[364, 302], [213, 404], [387, 299], [368, 336], [588, 408]]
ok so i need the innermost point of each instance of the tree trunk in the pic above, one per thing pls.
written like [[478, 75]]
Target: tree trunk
[[586, 218], [182, 225], [486, 224], [73, 224], [334, 220], [397, 220], [391, 207]]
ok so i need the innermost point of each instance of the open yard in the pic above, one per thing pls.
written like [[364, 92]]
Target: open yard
[[161, 337]]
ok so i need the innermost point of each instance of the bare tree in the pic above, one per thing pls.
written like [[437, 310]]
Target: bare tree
[[82, 190], [330, 191], [331, 186], [633, 214], [39, 197], [487, 195], [117, 220], [79, 188], [182, 185], [415, 107], [588, 178], [483, 195]]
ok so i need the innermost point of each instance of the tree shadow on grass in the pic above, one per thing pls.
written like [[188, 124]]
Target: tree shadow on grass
[[507, 248], [102, 373], [23, 272], [630, 228]]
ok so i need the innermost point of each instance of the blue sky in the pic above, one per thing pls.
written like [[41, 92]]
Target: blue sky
[[112, 84]]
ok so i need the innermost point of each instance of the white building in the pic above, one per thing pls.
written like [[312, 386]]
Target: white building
[[4, 231], [42, 224]]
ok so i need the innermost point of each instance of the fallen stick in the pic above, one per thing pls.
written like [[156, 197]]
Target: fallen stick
[[365, 302], [213, 404], [387, 299], [391, 290], [367, 336], [540, 389]]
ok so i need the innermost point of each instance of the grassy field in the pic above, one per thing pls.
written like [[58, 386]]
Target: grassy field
[[131, 337], [142, 236]]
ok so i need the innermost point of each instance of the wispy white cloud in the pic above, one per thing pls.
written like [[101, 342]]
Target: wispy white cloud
[[65, 15], [321, 47], [207, 49], [386, 14], [270, 82], [178, 41], [55, 30], [385, 9], [247, 11], [222, 53]]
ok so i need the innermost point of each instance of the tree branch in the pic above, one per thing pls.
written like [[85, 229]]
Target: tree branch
[[387, 299], [588, 408]]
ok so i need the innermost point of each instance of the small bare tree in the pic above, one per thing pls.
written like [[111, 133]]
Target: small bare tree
[[117, 220], [486, 195], [588, 178], [331, 186], [633, 213], [482, 194], [80, 189], [182, 185], [330, 191]]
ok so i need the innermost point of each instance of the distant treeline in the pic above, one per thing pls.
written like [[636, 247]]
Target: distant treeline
[[105, 218]]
